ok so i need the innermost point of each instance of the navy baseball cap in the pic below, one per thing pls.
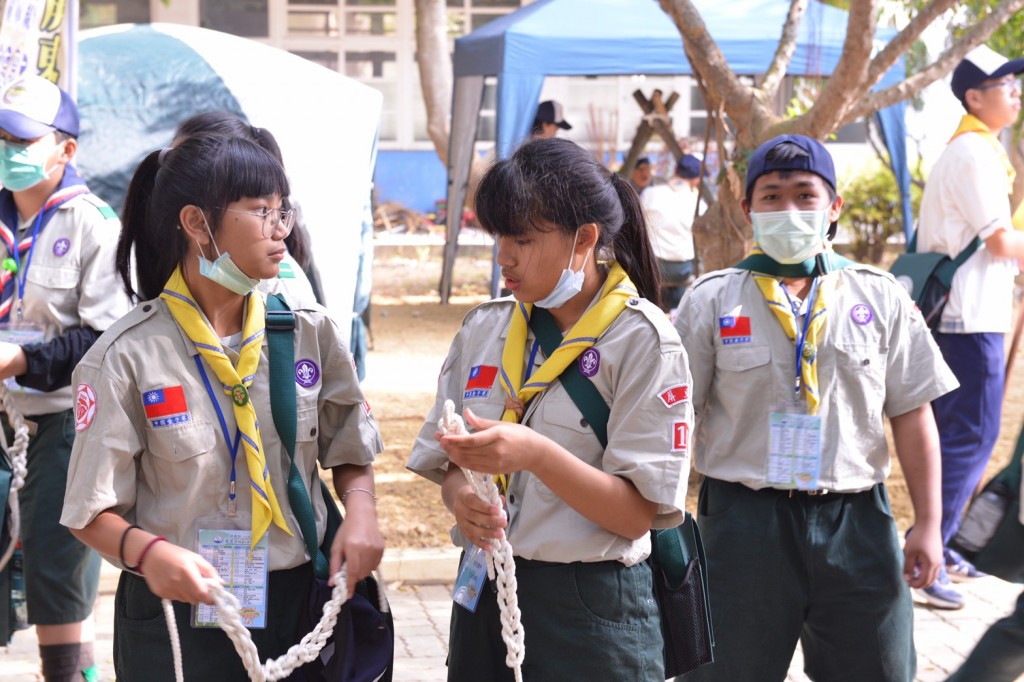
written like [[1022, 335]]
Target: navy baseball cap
[[688, 166], [817, 160], [979, 65], [550, 111], [32, 106]]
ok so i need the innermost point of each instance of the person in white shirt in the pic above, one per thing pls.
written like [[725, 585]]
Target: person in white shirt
[[670, 210]]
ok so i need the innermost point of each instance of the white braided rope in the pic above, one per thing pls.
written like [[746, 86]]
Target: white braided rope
[[231, 623], [501, 566], [18, 454]]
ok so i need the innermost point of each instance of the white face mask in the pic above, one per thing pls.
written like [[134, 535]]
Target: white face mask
[[790, 237], [569, 283], [223, 271]]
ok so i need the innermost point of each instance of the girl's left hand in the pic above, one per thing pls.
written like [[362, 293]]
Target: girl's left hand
[[495, 447], [358, 542]]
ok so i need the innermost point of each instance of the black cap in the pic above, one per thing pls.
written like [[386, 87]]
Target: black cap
[[550, 111]]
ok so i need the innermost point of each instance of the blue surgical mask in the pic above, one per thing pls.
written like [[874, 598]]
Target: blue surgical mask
[[569, 283], [23, 166], [790, 237], [224, 272]]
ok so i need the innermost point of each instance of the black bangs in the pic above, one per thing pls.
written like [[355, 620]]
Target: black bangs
[[511, 203], [244, 169]]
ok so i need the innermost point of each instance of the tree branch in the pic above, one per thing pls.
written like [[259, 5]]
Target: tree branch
[[972, 37], [707, 60], [784, 52], [884, 60], [849, 72], [435, 65]]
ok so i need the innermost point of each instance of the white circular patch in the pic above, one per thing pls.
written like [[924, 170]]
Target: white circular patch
[[85, 407]]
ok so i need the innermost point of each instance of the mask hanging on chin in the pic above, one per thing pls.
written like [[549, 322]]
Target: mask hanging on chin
[[790, 237], [23, 166], [223, 271], [569, 283]]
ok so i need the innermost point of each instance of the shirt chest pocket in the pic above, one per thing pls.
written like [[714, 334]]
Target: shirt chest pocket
[[743, 371], [860, 370], [58, 278], [182, 442]]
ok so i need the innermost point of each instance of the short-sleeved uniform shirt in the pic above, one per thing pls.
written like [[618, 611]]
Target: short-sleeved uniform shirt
[[878, 359], [670, 211], [71, 282], [640, 369], [966, 197], [165, 471]]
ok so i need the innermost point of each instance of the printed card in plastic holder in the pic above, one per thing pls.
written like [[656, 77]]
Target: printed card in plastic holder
[[472, 576], [244, 574], [20, 333]]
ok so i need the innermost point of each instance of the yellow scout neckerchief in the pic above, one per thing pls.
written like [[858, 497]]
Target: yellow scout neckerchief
[[235, 383], [778, 302], [972, 124], [617, 290]]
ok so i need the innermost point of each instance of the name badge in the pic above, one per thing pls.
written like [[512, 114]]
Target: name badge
[[794, 448], [472, 574], [244, 574]]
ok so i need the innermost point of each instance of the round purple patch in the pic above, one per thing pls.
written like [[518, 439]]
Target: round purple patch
[[861, 313], [590, 362], [306, 372], [61, 246]]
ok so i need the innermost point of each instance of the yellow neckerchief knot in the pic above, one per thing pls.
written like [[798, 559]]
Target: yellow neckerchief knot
[[778, 302], [972, 124], [235, 383], [618, 288]]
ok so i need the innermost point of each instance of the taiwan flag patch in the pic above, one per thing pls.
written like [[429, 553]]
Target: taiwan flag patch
[[734, 329], [481, 378], [166, 406]]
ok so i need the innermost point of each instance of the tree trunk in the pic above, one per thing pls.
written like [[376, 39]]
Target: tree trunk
[[435, 63]]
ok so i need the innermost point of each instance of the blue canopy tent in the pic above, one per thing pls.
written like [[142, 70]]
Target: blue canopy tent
[[616, 37]]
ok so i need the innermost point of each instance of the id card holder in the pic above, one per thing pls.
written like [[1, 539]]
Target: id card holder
[[221, 541], [20, 333], [472, 576], [794, 447]]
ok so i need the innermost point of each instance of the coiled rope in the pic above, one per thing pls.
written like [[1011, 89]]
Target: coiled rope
[[501, 566], [230, 620], [18, 454]]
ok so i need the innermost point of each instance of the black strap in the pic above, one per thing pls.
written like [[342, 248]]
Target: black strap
[[945, 271], [582, 391]]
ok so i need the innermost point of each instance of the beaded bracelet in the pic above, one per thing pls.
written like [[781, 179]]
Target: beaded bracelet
[[358, 490], [146, 549], [120, 549]]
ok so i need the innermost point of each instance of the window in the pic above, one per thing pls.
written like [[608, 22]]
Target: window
[[94, 13], [247, 18], [328, 58]]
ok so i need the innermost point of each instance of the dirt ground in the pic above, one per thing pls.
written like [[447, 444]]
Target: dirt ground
[[410, 335]]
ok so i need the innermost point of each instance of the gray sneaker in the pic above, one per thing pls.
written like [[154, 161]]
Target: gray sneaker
[[942, 594]]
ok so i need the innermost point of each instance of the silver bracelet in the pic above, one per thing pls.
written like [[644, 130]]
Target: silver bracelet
[[358, 490]]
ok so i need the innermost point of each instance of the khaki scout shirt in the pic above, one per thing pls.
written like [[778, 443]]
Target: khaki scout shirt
[[166, 477], [640, 361], [878, 359], [70, 283], [292, 283]]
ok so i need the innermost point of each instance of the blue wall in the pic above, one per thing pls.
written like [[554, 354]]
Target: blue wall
[[415, 179]]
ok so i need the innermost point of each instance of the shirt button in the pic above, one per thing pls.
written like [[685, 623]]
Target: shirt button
[[633, 301], [146, 308], [865, 361], [511, 499], [583, 423], [312, 431]]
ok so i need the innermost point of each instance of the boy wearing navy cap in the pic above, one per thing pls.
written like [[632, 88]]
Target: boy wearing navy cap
[[58, 287], [548, 120], [797, 355], [967, 199], [670, 210]]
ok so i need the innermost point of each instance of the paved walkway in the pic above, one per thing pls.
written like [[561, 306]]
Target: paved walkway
[[421, 605]]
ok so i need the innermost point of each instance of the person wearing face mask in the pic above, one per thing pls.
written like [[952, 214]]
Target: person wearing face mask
[[177, 442], [58, 294], [797, 357], [583, 479]]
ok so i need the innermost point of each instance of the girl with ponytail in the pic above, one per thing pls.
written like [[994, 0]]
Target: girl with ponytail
[[575, 388]]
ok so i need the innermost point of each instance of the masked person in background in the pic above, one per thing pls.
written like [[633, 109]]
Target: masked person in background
[[59, 294], [797, 357]]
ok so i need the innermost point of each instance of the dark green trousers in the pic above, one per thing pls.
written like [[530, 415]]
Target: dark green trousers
[[999, 655], [142, 647], [587, 622], [823, 570]]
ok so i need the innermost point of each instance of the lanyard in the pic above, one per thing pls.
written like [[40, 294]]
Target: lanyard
[[233, 449], [533, 358], [801, 334], [21, 274]]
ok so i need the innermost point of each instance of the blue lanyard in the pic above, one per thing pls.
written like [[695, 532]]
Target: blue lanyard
[[22, 275], [801, 334], [233, 449]]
